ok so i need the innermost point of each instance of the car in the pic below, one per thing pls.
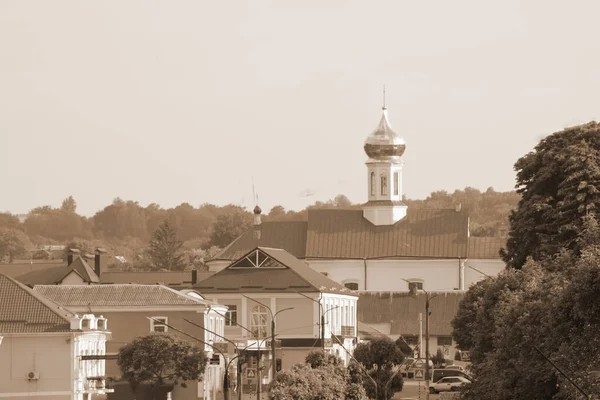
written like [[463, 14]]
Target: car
[[448, 384], [458, 367]]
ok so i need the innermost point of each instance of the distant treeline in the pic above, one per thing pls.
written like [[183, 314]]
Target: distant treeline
[[125, 227]]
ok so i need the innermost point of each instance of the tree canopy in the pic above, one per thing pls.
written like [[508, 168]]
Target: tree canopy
[[559, 183], [160, 360], [165, 248]]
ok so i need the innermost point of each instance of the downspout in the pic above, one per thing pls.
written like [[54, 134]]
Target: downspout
[[365, 262], [461, 273]]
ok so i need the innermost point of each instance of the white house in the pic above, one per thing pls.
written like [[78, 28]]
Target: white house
[[47, 351]]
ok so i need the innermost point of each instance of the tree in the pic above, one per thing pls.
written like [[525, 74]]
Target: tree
[[229, 226], [165, 248], [381, 358], [69, 205], [13, 244], [323, 377], [8, 220], [160, 360], [559, 183]]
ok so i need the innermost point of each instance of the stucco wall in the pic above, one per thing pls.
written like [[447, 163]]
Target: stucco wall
[[50, 356]]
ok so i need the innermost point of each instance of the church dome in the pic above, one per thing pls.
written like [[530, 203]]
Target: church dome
[[384, 143]]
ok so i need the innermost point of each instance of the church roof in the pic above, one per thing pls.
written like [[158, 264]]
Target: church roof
[[269, 270], [402, 311], [346, 234]]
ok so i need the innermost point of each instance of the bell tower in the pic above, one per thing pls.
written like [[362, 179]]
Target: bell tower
[[384, 147]]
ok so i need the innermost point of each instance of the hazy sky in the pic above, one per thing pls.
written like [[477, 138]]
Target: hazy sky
[[189, 101]]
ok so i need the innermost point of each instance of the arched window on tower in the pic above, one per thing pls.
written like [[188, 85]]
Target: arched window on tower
[[396, 183], [372, 183], [384, 184]]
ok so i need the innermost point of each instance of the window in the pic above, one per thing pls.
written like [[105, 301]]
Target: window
[[158, 324], [231, 316], [384, 184], [411, 340], [415, 285], [396, 183], [444, 340], [351, 285], [258, 323], [372, 183]]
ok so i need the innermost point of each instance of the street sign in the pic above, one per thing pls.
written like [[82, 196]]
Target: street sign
[[418, 374], [251, 373], [419, 363]]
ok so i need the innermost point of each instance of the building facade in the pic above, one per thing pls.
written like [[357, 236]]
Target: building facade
[[268, 285], [138, 310], [44, 347]]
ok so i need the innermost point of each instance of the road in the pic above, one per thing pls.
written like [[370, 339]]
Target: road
[[413, 391]]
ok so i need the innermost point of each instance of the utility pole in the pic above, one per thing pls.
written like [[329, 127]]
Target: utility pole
[[322, 330]]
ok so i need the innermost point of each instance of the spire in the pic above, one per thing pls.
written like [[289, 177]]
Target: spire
[[384, 107]]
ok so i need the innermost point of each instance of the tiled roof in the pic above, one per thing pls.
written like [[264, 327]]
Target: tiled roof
[[55, 275], [167, 278], [116, 295], [24, 311], [485, 247], [280, 272], [21, 267], [288, 235], [346, 234], [402, 311]]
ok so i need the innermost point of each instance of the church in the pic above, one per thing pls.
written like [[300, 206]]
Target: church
[[385, 246]]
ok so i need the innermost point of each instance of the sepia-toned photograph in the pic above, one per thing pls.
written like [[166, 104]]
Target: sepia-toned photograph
[[299, 200]]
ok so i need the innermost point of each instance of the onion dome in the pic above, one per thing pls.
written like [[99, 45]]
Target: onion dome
[[384, 143], [257, 210]]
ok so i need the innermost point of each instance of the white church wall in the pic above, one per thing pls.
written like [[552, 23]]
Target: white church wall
[[477, 269], [388, 275]]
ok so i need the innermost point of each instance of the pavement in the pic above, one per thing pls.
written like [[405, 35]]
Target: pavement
[[414, 390]]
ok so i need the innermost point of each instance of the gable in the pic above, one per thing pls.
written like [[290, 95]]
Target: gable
[[265, 269], [72, 278]]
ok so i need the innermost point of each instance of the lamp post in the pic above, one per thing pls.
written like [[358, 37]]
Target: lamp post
[[413, 292], [273, 350], [322, 317]]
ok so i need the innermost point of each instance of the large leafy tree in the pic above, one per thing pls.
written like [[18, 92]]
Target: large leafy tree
[[158, 361], [559, 183], [165, 248], [13, 244], [322, 377], [228, 226], [380, 358]]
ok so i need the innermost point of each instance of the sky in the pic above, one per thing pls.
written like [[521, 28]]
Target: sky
[[200, 101]]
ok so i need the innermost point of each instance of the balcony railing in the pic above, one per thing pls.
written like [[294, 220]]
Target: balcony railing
[[95, 384]]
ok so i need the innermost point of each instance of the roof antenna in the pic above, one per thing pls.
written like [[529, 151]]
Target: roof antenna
[[383, 108]]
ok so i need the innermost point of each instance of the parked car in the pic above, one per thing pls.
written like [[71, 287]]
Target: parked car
[[448, 384], [458, 367]]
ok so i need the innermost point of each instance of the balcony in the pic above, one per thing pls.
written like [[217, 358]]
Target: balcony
[[96, 385]]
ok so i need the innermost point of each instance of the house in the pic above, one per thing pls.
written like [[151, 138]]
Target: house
[[43, 347], [137, 310], [378, 247], [268, 289]]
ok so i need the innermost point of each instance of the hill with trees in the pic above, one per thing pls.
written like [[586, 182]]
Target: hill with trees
[[127, 229]]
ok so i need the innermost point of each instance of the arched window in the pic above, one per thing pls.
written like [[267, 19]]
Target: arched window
[[352, 285], [396, 183], [372, 183], [258, 323], [384, 184]]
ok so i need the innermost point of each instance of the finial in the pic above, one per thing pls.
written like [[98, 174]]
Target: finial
[[383, 108]]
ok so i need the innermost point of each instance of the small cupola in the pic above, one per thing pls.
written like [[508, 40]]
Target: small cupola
[[75, 322], [101, 323], [257, 212]]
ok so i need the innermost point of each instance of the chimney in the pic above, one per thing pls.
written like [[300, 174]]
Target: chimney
[[194, 276], [99, 261], [458, 207], [71, 253]]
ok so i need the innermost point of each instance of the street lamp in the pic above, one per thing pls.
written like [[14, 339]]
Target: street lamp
[[322, 317], [273, 357], [413, 293]]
